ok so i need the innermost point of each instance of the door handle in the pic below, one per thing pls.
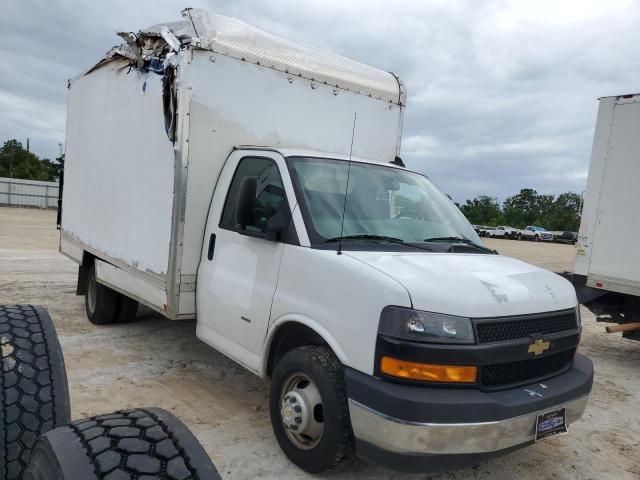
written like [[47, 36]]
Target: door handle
[[212, 246]]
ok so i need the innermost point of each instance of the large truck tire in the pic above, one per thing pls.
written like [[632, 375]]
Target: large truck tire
[[104, 305], [34, 395], [145, 443], [127, 310], [308, 408]]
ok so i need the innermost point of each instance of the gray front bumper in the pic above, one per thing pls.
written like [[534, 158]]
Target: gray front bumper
[[421, 429], [399, 436]]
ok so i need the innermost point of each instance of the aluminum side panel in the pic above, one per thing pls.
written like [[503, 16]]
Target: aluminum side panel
[[238, 103], [118, 191], [614, 252]]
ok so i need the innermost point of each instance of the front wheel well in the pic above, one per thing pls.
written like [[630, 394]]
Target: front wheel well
[[289, 336]]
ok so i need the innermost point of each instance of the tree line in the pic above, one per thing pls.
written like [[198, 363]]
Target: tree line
[[528, 207], [18, 162]]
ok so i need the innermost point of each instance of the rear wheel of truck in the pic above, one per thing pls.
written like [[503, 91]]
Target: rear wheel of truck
[[127, 309], [34, 395], [101, 303], [308, 408], [141, 443]]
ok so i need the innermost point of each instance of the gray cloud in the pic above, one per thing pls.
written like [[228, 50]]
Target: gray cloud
[[502, 94]]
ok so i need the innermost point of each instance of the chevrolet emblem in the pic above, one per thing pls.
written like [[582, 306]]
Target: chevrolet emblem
[[539, 347]]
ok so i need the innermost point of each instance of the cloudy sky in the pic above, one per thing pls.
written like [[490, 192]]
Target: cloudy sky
[[502, 94]]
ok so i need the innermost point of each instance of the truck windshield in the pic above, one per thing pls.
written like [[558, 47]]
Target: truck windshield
[[382, 202]]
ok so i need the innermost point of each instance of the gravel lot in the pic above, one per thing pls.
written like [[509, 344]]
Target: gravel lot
[[156, 362]]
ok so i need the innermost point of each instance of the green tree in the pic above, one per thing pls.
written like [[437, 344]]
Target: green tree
[[53, 169], [17, 162], [527, 207], [522, 208], [563, 214], [482, 210]]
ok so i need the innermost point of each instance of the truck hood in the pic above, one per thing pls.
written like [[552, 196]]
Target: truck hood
[[473, 285]]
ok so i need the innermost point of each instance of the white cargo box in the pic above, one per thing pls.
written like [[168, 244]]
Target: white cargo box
[[607, 248], [149, 129]]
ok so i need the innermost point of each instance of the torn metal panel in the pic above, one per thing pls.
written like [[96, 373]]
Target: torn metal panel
[[150, 48], [170, 38], [134, 48], [170, 102]]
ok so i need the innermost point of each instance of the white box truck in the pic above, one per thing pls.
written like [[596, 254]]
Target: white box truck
[[607, 266], [218, 172]]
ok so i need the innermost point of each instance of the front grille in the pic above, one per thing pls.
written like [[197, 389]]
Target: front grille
[[513, 329], [523, 370]]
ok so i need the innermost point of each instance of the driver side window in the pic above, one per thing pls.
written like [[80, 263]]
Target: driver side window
[[270, 196]]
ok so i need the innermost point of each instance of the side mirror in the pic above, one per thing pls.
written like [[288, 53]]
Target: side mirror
[[246, 201], [277, 225]]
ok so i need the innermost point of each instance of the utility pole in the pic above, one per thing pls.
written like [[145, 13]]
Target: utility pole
[[27, 144]]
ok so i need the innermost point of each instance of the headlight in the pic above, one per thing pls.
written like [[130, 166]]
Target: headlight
[[419, 326]]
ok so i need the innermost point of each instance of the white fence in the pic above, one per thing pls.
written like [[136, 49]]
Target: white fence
[[28, 193]]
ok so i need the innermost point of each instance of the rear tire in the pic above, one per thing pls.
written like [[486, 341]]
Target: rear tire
[[34, 395], [101, 303], [128, 309], [318, 368], [140, 443]]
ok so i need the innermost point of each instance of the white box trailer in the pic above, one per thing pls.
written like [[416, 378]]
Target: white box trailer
[[607, 265], [162, 135]]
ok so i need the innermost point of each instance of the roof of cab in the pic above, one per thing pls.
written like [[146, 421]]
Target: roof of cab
[[301, 152]]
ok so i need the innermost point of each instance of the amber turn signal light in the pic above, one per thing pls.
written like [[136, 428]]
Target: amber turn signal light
[[428, 372]]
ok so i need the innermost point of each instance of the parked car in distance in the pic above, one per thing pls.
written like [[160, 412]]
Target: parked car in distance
[[565, 237], [493, 232], [481, 230], [536, 234], [509, 232]]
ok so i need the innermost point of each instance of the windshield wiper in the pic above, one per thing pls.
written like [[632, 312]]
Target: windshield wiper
[[366, 237], [466, 241], [379, 238]]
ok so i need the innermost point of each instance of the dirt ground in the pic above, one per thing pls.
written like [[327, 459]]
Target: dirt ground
[[156, 362]]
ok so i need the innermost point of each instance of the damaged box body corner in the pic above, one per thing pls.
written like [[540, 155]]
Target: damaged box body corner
[[145, 147]]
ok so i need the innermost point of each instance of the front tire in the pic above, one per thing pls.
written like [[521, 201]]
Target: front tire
[[308, 408]]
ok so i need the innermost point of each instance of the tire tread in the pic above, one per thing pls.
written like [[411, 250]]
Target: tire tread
[[131, 444], [34, 395]]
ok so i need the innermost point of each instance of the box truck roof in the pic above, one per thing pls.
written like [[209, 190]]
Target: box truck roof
[[234, 38]]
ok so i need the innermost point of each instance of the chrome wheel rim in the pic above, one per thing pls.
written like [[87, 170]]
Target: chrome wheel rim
[[91, 294], [301, 411]]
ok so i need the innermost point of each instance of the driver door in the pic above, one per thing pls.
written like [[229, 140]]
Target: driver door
[[238, 271]]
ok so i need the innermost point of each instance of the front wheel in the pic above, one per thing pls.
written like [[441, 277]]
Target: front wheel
[[309, 411]]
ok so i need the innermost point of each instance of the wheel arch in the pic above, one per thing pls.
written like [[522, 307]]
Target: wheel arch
[[287, 333]]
